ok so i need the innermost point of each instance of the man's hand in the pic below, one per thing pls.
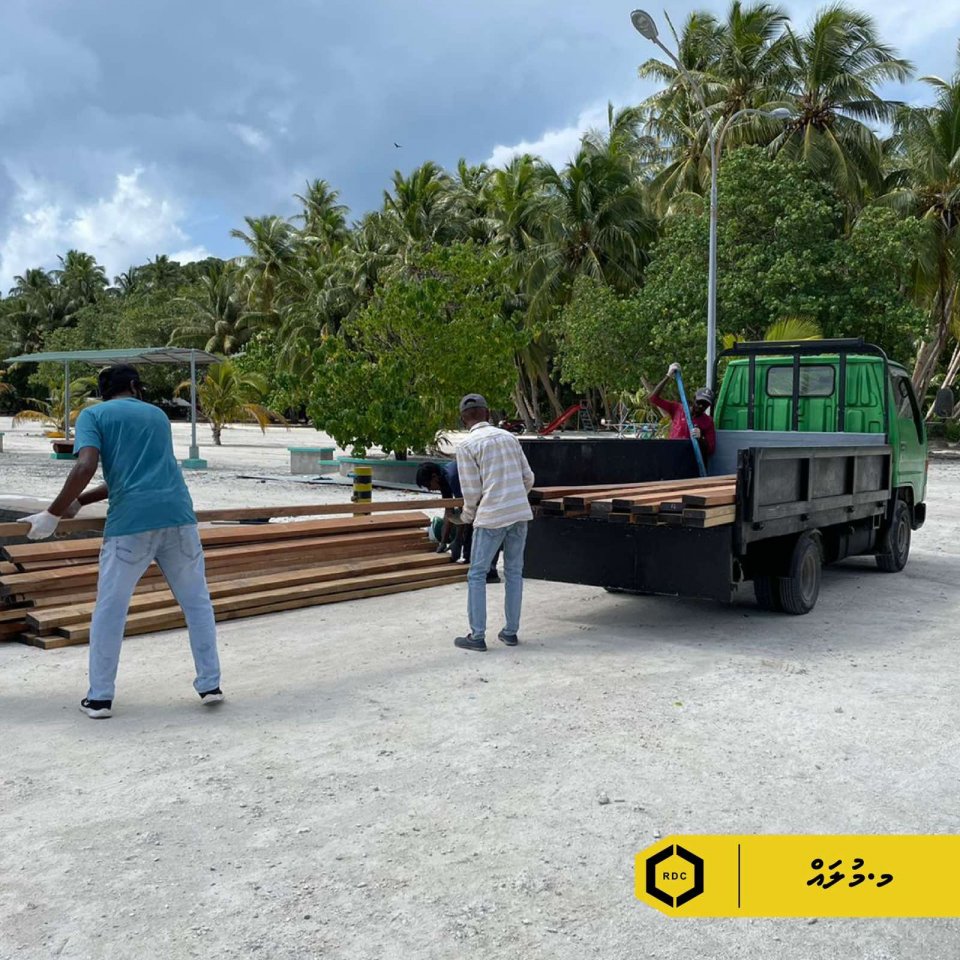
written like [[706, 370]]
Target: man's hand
[[72, 510], [696, 433], [42, 525], [673, 369]]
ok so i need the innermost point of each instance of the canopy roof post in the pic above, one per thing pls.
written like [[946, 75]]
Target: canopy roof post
[[67, 400], [193, 462]]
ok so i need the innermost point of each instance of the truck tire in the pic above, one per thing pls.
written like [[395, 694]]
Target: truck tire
[[895, 541], [767, 591], [801, 587]]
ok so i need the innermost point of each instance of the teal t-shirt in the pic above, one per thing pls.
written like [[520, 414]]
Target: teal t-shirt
[[147, 489]]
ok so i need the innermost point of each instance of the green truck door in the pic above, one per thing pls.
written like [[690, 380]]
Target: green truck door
[[908, 437]]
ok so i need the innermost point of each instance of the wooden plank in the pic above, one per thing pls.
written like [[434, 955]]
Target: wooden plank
[[717, 499], [626, 504], [224, 536], [80, 634], [673, 487], [716, 517], [79, 524], [48, 618], [539, 494], [663, 504], [244, 555]]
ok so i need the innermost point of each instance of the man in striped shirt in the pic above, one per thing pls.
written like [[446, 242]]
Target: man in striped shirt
[[496, 479]]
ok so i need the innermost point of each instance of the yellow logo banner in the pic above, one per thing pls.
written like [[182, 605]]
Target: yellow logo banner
[[801, 876]]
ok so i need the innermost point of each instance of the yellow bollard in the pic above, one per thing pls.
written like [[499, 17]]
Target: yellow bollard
[[362, 488]]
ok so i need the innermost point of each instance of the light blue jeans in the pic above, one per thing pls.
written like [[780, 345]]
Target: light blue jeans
[[123, 561], [486, 542]]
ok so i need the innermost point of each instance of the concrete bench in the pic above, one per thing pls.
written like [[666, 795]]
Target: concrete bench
[[309, 460]]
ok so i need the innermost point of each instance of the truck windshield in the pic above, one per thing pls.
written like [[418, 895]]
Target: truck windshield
[[815, 381]]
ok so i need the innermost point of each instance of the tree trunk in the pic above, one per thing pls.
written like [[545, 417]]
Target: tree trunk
[[520, 399], [929, 354], [548, 386], [216, 428]]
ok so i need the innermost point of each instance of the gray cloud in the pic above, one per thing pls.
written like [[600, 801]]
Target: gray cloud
[[225, 108]]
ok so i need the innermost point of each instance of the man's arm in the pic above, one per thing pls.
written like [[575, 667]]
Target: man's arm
[[44, 524], [94, 495], [653, 394], [88, 459], [527, 473], [470, 484]]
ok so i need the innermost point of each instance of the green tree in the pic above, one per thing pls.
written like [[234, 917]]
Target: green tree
[[925, 183], [836, 68], [782, 252], [394, 374], [219, 320], [272, 245], [83, 279]]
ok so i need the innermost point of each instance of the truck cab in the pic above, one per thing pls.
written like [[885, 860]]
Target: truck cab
[[844, 391]]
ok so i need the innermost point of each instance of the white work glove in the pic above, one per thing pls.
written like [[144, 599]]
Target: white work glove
[[673, 369], [72, 510], [42, 525]]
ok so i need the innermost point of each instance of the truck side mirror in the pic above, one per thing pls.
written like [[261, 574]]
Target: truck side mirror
[[943, 405]]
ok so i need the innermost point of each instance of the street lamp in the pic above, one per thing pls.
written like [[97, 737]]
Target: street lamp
[[646, 27]]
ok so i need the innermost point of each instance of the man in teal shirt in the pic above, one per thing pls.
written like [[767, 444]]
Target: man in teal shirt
[[150, 518]]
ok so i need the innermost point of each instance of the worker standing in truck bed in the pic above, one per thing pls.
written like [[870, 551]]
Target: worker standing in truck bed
[[703, 428]]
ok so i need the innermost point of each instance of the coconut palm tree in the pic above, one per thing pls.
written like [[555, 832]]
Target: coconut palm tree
[[219, 317], [272, 244], [835, 69], [925, 182], [423, 205], [227, 394], [81, 276], [324, 217], [50, 412]]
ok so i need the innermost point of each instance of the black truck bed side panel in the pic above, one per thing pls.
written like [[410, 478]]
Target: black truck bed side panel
[[785, 490], [673, 561]]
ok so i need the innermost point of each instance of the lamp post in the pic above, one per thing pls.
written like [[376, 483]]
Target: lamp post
[[645, 25]]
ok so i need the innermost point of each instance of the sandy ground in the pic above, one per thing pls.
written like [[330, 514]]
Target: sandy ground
[[368, 791]]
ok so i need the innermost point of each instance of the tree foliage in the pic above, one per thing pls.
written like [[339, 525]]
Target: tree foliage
[[436, 331]]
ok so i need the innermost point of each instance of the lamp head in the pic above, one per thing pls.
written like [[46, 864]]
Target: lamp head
[[643, 24]]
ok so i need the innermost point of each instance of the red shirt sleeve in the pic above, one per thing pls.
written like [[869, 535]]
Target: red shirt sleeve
[[670, 407]]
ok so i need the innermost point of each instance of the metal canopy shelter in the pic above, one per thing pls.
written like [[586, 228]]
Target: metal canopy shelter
[[137, 356]]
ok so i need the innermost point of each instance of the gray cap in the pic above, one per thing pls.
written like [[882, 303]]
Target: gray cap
[[473, 401], [705, 394]]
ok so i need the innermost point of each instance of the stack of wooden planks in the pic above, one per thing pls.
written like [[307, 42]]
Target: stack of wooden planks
[[47, 589], [700, 502]]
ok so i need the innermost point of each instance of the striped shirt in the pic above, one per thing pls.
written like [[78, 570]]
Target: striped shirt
[[495, 477]]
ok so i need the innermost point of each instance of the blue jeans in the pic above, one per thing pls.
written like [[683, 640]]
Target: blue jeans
[[486, 542], [123, 561]]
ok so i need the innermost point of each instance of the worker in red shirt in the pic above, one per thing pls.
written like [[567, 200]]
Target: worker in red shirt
[[703, 429]]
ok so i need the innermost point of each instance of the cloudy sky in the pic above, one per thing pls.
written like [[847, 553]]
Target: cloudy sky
[[131, 129]]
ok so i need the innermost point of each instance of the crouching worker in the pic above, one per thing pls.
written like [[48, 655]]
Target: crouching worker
[[150, 517]]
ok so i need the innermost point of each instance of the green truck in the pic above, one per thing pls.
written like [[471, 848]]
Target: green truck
[[828, 444]]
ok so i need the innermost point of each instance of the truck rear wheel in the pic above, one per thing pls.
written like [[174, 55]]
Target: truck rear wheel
[[767, 591], [800, 589], [895, 541]]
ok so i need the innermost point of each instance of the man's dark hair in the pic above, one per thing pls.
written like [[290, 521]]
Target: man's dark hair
[[427, 471], [120, 378]]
